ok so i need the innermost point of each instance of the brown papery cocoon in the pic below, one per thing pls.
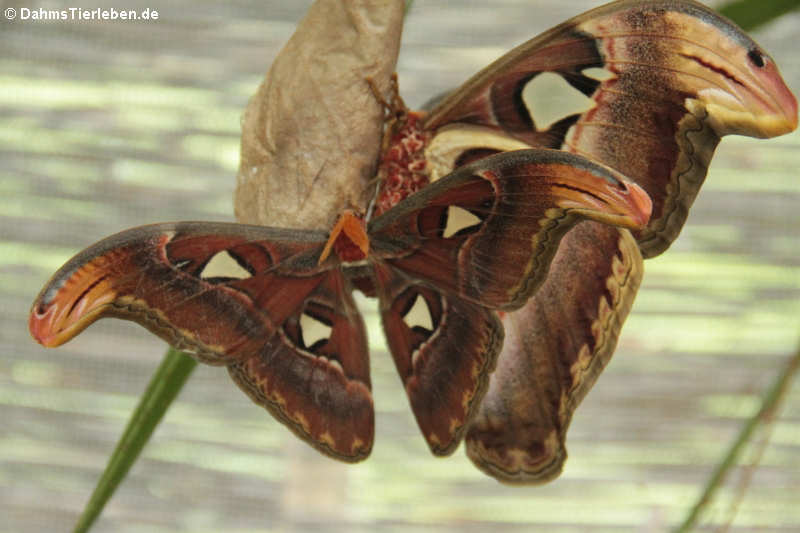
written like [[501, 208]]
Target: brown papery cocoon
[[311, 134]]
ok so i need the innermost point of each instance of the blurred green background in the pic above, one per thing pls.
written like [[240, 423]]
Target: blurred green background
[[104, 126]]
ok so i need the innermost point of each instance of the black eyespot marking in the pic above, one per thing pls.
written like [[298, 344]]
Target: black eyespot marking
[[756, 58]]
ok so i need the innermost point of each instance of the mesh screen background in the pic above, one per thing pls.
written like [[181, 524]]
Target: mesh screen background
[[105, 126]]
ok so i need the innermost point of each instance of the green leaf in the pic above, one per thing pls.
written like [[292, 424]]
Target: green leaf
[[750, 14], [164, 386]]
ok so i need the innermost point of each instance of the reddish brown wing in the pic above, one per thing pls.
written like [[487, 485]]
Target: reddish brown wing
[[479, 239], [655, 85], [234, 295], [645, 87], [313, 374], [444, 349], [488, 231], [555, 348]]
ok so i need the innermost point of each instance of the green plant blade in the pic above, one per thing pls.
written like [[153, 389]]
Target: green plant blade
[[750, 14], [164, 386], [769, 406]]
